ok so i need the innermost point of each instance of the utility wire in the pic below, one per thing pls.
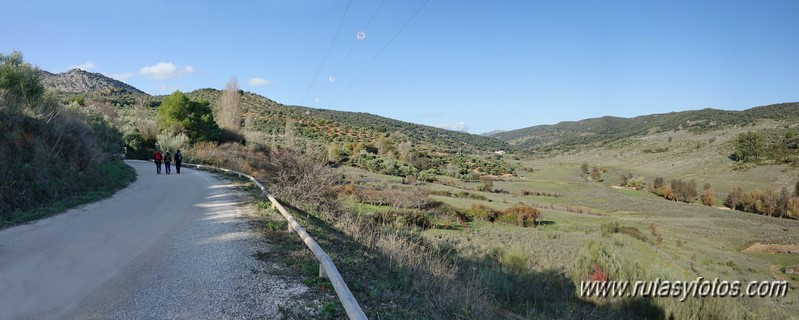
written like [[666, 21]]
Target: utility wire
[[368, 23], [328, 52], [380, 52]]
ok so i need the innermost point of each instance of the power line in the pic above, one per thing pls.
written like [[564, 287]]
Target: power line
[[380, 52], [357, 39], [341, 24]]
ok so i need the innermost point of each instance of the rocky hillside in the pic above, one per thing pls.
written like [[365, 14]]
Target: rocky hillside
[[80, 82]]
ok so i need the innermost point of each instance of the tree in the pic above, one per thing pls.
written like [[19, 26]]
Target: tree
[[584, 167], [193, 118], [769, 200], [782, 203], [19, 79], [658, 183], [228, 113], [748, 146], [734, 199], [796, 190], [708, 195], [793, 207]]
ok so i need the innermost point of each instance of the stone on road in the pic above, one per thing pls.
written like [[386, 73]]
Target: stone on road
[[166, 247]]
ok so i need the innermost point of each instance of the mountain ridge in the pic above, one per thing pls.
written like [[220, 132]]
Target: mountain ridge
[[608, 128], [80, 81]]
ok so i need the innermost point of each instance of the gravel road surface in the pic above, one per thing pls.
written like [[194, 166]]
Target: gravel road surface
[[166, 247]]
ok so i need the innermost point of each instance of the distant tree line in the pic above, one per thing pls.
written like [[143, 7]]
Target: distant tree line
[[768, 203]]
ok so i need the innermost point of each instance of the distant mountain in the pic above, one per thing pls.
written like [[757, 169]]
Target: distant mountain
[[605, 129], [80, 81], [492, 133]]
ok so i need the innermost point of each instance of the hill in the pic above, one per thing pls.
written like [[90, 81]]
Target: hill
[[270, 116], [597, 131], [80, 81], [350, 127]]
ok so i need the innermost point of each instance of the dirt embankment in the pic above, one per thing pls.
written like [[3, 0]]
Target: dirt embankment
[[772, 248]]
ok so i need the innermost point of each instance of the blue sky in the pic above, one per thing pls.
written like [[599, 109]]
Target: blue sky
[[473, 65]]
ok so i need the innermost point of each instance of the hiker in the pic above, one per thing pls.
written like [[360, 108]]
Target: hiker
[[158, 162], [178, 161], [167, 162]]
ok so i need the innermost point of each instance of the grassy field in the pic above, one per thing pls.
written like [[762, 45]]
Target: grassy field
[[662, 239]]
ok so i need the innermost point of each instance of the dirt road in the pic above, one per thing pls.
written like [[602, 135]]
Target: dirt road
[[168, 246]]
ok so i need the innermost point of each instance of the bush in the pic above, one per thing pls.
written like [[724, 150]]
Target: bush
[[636, 183], [606, 229], [708, 195], [522, 214], [482, 212], [19, 81], [418, 219]]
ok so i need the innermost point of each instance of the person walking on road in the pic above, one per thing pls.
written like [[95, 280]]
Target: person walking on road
[[178, 161], [167, 162], [157, 162]]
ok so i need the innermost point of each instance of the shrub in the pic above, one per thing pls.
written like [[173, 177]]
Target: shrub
[[633, 232], [708, 195], [793, 208], [482, 212], [19, 80], [606, 229], [596, 174], [416, 218], [636, 183], [523, 214]]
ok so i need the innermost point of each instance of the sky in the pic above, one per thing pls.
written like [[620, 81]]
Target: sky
[[466, 65]]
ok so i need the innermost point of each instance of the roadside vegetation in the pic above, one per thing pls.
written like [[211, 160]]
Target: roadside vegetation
[[54, 155]]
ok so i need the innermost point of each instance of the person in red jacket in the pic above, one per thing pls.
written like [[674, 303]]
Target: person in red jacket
[[158, 162]]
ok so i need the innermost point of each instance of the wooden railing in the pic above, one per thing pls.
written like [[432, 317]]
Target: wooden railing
[[326, 267]]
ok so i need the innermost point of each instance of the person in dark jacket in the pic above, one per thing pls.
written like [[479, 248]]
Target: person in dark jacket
[[167, 162], [178, 161], [157, 159]]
